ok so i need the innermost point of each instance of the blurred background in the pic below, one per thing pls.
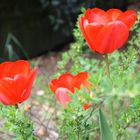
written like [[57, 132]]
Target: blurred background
[[29, 28]]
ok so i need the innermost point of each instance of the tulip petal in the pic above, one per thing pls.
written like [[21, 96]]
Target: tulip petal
[[3, 99], [19, 67], [81, 23], [53, 85], [96, 15], [19, 86], [7, 94], [114, 13], [92, 30], [10, 69], [62, 96], [82, 79], [111, 37], [25, 95], [64, 81], [128, 17], [4, 68]]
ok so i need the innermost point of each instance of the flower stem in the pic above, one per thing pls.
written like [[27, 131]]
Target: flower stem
[[16, 106], [107, 65], [79, 135], [113, 121]]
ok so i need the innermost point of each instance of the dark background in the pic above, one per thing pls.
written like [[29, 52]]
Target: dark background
[[35, 27]]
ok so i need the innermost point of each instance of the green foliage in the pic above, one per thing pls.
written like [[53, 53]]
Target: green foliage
[[17, 122], [135, 40], [129, 117], [77, 123]]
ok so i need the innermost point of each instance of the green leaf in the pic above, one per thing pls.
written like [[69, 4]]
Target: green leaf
[[10, 49], [113, 122], [104, 128]]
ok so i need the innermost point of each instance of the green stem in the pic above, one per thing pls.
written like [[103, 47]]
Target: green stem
[[16, 106], [79, 131], [113, 121], [79, 135], [107, 65]]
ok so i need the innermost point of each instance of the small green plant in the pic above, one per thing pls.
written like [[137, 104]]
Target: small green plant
[[18, 122]]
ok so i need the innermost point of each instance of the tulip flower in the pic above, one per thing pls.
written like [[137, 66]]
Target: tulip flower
[[66, 84], [106, 31], [16, 79]]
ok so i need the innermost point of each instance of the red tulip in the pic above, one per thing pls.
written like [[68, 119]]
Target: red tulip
[[66, 84], [16, 80], [107, 31]]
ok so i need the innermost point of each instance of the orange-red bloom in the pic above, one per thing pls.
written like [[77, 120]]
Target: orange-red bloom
[[106, 31], [16, 80], [86, 106], [67, 83]]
